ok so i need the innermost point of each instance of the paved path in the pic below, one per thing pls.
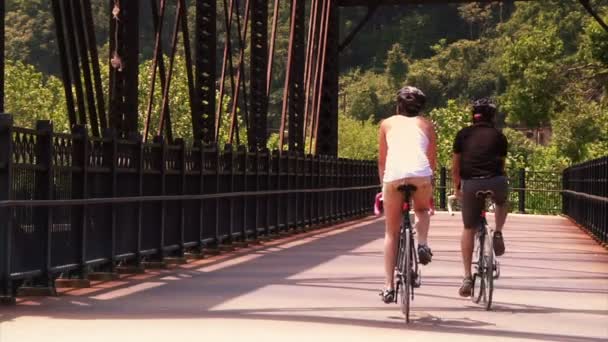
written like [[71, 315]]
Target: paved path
[[324, 287]]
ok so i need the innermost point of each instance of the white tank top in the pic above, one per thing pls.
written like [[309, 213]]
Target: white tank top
[[406, 155]]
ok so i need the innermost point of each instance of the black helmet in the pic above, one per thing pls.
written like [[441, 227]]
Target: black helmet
[[410, 101], [484, 109]]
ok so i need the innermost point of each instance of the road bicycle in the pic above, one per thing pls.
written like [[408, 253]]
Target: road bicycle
[[487, 268], [408, 272]]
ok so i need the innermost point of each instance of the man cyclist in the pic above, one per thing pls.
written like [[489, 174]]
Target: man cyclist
[[407, 155], [478, 164]]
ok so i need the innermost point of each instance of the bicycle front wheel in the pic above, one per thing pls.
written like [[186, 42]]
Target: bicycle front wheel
[[406, 277]]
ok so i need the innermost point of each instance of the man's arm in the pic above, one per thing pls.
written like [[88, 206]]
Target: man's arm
[[503, 151], [431, 152], [382, 149], [456, 157], [456, 172]]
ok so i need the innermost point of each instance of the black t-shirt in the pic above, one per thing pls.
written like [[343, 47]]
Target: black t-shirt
[[482, 149]]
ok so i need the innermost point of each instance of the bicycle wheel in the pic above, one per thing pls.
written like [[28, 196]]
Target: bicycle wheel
[[478, 276], [488, 271], [406, 277]]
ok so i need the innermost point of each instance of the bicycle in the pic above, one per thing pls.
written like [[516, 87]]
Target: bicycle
[[407, 258], [487, 268]]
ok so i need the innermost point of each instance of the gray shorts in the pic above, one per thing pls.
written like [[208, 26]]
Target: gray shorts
[[472, 206]]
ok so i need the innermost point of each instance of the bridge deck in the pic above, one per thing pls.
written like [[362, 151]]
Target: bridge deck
[[324, 287]]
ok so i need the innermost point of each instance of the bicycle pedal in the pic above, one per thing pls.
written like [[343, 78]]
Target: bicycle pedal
[[496, 272]]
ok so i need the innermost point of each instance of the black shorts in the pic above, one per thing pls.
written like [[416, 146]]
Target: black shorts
[[472, 206]]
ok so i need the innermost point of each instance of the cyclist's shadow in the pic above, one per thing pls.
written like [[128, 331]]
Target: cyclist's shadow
[[435, 321]]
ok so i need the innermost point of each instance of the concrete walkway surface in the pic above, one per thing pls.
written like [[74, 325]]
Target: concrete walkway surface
[[324, 285]]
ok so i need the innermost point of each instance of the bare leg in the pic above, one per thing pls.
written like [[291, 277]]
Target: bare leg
[[423, 220], [500, 216], [392, 211], [466, 246], [451, 200], [450, 205]]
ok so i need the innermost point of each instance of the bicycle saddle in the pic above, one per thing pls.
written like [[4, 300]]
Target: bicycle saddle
[[407, 188], [483, 194]]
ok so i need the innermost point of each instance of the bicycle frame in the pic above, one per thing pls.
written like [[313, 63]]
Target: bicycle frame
[[487, 268], [404, 272]]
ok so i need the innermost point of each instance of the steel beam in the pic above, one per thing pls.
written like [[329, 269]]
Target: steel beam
[[2, 13], [206, 44], [349, 3], [327, 132], [257, 130], [91, 38], [85, 65], [73, 59], [65, 65], [124, 66], [296, 86]]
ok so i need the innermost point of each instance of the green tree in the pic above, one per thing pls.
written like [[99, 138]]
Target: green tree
[[179, 105], [448, 121], [32, 96], [476, 14], [357, 139], [367, 94], [597, 41], [31, 36], [580, 132], [397, 66], [365, 105], [530, 67]]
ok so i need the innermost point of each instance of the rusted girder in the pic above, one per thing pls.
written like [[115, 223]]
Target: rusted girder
[[2, 13], [293, 96], [206, 42], [348, 3], [257, 130], [124, 70]]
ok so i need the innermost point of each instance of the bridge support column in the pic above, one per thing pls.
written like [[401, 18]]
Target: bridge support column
[[124, 66], [6, 146], [258, 133], [327, 136], [206, 42], [2, 12], [296, 72]]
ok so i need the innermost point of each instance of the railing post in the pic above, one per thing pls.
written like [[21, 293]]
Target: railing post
[[242, 165], [218, 170], [6, 214], [267, 198], [44, 191], [442, 188], [182, 191], [110, 150], [275, 199], [522, 191], [256, 199], [201, 203], [229, 156], [563, 194], [79, 191], [163, 189], [140, 205]]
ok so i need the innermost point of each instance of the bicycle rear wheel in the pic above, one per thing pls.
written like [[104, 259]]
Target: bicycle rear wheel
[[406, 277], [488, 271], [478, 276]]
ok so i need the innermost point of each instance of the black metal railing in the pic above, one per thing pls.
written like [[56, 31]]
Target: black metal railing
[[530, 192], [72, 204], [585, 196]]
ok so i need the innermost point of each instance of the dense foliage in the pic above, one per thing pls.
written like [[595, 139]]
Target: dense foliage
[[546, 62]]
